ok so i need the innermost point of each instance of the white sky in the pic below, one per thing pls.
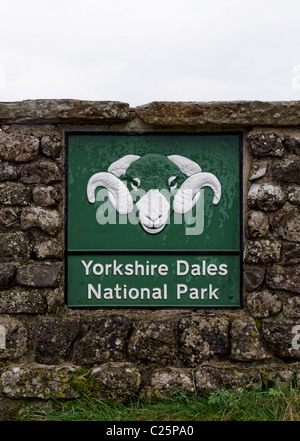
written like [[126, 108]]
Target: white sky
[[138, 51]]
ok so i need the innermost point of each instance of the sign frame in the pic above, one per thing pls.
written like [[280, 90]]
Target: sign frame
[[239, 134]]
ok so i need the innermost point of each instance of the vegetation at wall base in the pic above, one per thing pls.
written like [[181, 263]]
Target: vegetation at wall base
[[240, 405]]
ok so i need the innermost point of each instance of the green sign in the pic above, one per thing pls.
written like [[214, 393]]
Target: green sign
[[153, 220]]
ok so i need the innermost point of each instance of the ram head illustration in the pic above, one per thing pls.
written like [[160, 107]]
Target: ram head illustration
[[156, 175]]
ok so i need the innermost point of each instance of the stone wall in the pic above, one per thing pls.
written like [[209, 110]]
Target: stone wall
[[49, 351]]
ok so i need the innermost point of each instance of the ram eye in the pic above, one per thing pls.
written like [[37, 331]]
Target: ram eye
[[135, 183], [172, 183]]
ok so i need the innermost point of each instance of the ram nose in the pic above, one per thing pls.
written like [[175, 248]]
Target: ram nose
[[153, 211]]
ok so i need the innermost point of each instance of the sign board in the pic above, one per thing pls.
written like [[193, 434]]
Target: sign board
[[153, 220]]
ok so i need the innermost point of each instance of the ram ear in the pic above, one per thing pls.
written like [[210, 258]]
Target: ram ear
[[119, 167]]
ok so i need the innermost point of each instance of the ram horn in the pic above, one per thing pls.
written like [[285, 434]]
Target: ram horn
[[187, 166], [119, 194], [185, 199], [119, 167]]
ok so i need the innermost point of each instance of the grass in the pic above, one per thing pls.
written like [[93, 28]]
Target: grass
[[251, 405]]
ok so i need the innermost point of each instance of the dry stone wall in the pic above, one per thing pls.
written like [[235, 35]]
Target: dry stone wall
[[50, 351]]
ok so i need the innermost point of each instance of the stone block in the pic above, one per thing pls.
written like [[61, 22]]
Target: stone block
[[19, 300], [42, 172], [15, 246], [266, 197], [262, 251], [40, 275], [253, 277], [14, 338], [46, 196], [246, 344], [210, 378], [8, 172], [292, 144], [7, 274], [154, 341], [47, 220], [106, 340], [39, 382], [291, 307], [286, 278], [49, 249], [165, 381], [9, 216], [203, 337], [54, 337], [120, 381], [287, 170], [18, 148], [51, 147], [280, 337], [263, 304], [258, 224], [266, 144], [15, 193]]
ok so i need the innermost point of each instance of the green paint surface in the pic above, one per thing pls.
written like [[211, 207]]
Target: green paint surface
[[153, 281], [90, 154], [216, 230]]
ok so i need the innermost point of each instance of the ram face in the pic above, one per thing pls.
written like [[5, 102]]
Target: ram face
[[162, 183]]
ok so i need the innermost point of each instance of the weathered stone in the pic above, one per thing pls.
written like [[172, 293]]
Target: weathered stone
[[291, 307], [7, 172], [258, 224], [154, 341], [246, 344], [258, 170], [212, 378], [289, 226], [105, 341], [290, 253], [247, 113], [8, 216], [287, 170], [294, 195], [292, 144], [119, 381], [19, 300], [286, 278], [266, 197], [277, 376], [14, 193], [43, 172], [263, 251], [14, 339], [55, 300], [253, 277], [40, 275], [266, 144], [48, 221], [49, 249], [279, 337], [7, 274], [62, 111], [18, 148], [50, 146], [14, 246], [202, 337], [263, 304], [46, 196], [163, 382], [39, 382], [54, 338]]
